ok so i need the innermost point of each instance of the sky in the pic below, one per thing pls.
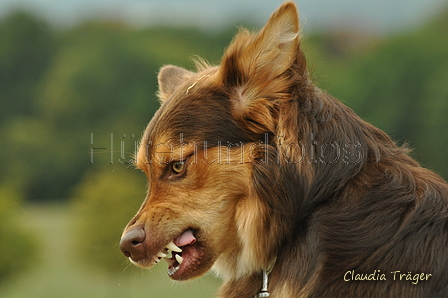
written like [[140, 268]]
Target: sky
[[380, 16]]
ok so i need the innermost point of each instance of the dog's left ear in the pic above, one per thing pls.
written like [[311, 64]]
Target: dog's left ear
[[170, 77], [258, 68]]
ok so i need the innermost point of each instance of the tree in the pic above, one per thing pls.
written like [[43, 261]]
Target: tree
[[104, 202], [27, 48], [18, 247]]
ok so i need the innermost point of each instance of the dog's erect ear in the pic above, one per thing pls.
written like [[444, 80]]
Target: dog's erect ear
[[266, 55], [258, 67], [170, 77]]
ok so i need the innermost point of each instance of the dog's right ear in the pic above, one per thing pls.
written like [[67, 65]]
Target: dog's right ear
[[170, 77]]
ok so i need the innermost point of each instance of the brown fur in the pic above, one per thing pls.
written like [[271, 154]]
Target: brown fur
[[288, 177]]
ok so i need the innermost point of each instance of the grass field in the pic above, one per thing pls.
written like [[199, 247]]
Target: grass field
[[59, 274]]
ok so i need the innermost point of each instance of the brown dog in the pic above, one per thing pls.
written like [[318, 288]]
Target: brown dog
[[256, 173]]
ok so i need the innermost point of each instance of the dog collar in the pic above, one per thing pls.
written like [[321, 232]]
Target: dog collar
[[264, 290]]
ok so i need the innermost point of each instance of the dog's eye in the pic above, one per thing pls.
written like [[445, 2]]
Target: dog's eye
[[178, 167]]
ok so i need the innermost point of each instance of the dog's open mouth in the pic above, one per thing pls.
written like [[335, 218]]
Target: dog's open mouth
[[185, 255]]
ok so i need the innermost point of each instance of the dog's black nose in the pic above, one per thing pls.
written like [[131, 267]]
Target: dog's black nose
[[131, 243]]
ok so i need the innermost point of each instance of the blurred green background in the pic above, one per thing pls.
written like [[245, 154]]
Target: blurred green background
[[64, 91]]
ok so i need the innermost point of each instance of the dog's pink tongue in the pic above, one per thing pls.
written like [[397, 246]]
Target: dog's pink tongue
[[185, 239]]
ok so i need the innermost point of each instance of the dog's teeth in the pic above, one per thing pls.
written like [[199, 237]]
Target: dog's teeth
[[173, 247], [169, 261], [179, 259], [173, 270], [161, 254]]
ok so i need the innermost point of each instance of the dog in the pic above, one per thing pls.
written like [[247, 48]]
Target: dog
[[280, 189]]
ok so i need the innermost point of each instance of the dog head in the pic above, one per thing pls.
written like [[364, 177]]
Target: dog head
[[206, 155]]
